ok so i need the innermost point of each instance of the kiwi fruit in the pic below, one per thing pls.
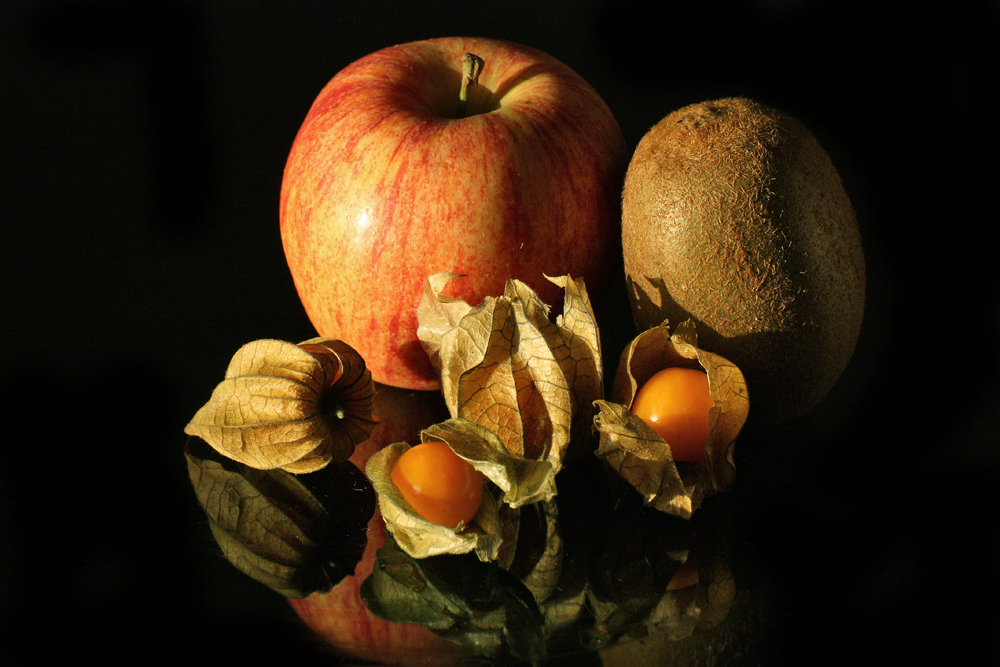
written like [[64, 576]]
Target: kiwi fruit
[[734, 216]]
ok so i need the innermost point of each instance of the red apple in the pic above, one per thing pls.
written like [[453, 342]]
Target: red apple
[[386, 185], [339, 617]]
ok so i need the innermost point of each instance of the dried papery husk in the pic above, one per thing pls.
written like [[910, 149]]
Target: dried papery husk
[[639, 454], [521, 481], [532, 548], [419, 537], [297, 535], [678, 613], [562, 614], [575, 342], [518, 390], [293, 407], [438, 314], [506, 366], [533, 551], [659, 576], [699, 606]]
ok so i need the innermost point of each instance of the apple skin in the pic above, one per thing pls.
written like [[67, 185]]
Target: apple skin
[[384, 186], [339, 617]]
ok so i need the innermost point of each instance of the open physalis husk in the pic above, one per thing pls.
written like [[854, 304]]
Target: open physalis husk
[[294, 407], [639, 454], [421, 538], [507, 367], [653, 574], [677, 613]]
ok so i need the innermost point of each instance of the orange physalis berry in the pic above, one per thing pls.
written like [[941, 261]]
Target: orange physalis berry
[[438, 484], [675, 403]]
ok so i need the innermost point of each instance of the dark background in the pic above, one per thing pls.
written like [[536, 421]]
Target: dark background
[[141, 159]]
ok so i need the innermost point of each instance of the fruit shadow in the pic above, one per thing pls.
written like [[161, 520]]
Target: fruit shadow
[[645, 310], [510, 83], [765, 344], [482, 97]]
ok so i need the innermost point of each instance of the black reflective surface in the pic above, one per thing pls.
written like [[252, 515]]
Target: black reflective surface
[[143, 147]]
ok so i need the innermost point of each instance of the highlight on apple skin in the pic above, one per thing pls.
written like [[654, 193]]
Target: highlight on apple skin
[[385, 185]]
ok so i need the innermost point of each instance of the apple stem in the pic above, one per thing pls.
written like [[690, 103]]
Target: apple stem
[[472, 67]]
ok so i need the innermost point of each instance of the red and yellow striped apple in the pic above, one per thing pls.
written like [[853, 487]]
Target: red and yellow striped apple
[[391, 179]]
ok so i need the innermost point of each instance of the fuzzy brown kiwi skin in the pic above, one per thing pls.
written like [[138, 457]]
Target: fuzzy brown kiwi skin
[[734, 216]]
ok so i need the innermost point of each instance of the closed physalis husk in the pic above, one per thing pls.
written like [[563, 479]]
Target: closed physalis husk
[[294, 407], [297, 535], [639, 454], [507, 367]]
